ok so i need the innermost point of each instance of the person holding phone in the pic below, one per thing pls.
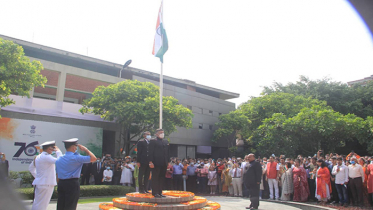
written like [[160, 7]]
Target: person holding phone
[[340, 172], [127, 168]]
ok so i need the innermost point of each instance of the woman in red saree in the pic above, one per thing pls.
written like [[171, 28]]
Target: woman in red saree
[[323, 185], [300, 182]]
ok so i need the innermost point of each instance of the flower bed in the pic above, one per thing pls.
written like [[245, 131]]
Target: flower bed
[[107, 206], [180, 194], [125, 203], [197, 200]]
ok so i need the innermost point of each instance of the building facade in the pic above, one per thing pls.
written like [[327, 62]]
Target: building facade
[[72, 78]]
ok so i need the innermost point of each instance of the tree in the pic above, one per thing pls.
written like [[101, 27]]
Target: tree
[[314, 128], [135, 106], [357, 99], [17, 74], [230, 125], [284, 123], [250, 115], [258, 109]]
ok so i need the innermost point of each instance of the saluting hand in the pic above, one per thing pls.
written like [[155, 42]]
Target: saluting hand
[[82, 148]]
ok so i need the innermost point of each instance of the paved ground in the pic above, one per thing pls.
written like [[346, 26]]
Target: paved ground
[[227, 203]]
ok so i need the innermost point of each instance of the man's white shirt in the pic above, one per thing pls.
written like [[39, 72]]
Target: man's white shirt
[[238, 173], [44, 169], [355, 171], [341, 177], [108, 173]]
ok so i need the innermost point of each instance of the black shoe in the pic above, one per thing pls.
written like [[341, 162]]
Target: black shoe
[[163, 196], [157, 196], [141, 192], [145, 191]]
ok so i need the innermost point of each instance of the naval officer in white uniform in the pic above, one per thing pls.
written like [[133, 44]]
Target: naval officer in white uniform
[[43, 169]]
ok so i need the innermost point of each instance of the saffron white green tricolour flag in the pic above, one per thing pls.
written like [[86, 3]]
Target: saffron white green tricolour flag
[[160, 45]]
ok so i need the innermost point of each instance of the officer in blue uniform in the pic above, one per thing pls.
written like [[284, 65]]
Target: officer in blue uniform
[[68, 168]]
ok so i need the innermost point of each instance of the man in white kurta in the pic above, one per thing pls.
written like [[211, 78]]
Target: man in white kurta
[[44, 171]]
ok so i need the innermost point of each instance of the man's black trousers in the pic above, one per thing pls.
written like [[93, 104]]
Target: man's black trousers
[[254, 195], [178, 182], [68, 194], [84, 180], [144, 172], [356, 186], [158, 177]]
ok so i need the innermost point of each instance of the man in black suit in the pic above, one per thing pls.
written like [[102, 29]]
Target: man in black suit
[[143, 161], [252, 178], [97, 171], [85, 174], [158, 157]]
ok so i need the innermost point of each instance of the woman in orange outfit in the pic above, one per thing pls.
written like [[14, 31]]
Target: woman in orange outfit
[[323, 185]]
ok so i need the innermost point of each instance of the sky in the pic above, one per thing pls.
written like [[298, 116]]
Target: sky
[[233, 45]]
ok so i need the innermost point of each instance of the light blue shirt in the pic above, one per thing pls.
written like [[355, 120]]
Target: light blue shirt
[[178, 169], [70, 165], [191, 170]]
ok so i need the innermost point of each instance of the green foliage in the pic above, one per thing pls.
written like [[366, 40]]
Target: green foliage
[[357, 99], [259, 108], [26, 176], [86, 191], [18, 75], [230, 125], [311, 129], [284, 123], [13, 175], [135, 105]]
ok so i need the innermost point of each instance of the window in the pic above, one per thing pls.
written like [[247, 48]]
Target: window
[[200, 126], [210, 127], [189, 107], [210, 112]]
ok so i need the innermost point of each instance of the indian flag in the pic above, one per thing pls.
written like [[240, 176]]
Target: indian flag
[[160, 45]]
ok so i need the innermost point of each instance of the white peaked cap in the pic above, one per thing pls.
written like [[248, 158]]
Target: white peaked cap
[[73, 140], [48, 143]]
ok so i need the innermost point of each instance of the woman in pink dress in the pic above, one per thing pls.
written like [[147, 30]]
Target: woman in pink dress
[[212, 179], [369, 172], [300, 182]]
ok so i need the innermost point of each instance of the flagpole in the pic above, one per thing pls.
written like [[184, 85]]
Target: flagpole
[[161, 97], [161, 84]]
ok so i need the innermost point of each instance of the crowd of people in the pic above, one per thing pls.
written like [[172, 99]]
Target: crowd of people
[[331, 178], [327, 178]]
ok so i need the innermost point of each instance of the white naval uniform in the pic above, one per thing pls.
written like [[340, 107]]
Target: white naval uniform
[[44, 171]]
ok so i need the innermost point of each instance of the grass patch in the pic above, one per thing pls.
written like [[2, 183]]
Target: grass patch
[[95, 200]]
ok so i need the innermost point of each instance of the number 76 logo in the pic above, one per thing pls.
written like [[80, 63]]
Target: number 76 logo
[[29, 149]]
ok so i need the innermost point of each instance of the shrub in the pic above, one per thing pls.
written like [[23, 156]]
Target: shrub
[[86, 191], [26, 176], [13, 175]]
